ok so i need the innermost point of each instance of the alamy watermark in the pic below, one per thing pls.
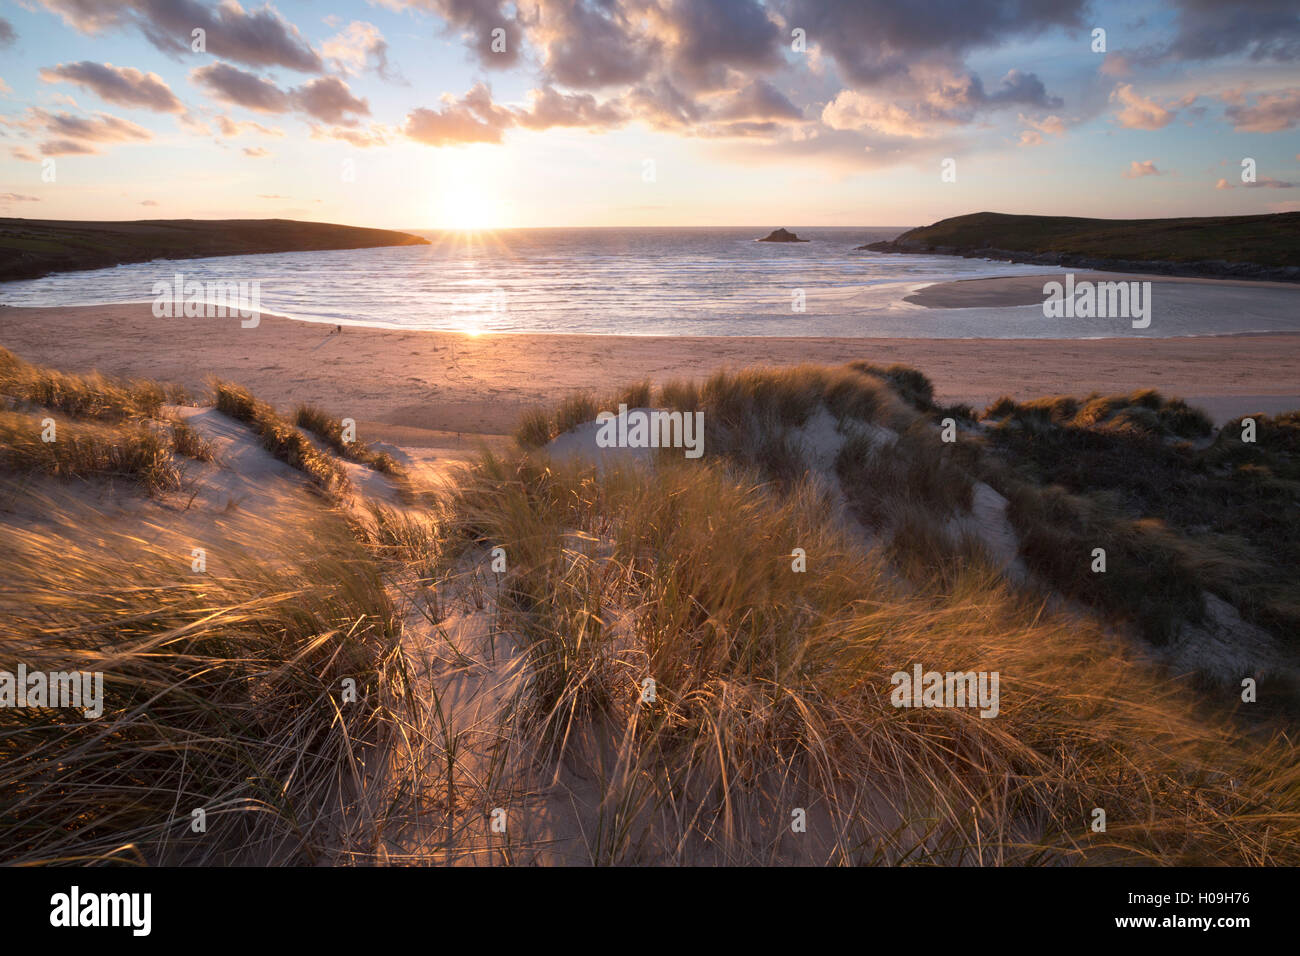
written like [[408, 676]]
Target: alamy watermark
[[1101, 300], [642, 428], [77, 689], [950, 689], [211, 299], [76, 909]]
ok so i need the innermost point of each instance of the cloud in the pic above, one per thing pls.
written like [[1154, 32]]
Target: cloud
[[1260, 29], [230, 128], [472, 119], [1052, 125], [326, 98], [259, 38], [711, 67], [1139, 113], [1040, 129], [1016, 89], [590, 46], [938, 100], [759, 100], [661, 105], [239, 88], [257, 152], [358, 45], [125, 86], [1271, 112], [22, 153], [593, 44], [1137, 170], [705, 38], [1116, 64], [851, 110], [192, 121], [475, 118], [1264, 182], [78, 135], [474, 21], [549, 108], [66, 147], [17, 197], [7, 37], [148, 202], [377, 135], [875, 40], [745, 130]]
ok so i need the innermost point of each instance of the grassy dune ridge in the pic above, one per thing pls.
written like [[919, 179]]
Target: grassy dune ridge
[[774, 684], [773, 687], [222, 689]]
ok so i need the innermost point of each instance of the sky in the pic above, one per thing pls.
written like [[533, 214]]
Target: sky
[[482, 114]]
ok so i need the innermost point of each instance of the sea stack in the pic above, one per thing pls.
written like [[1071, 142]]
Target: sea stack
[[781, 235]]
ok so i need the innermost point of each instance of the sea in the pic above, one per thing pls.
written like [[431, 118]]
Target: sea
[[652, 281]]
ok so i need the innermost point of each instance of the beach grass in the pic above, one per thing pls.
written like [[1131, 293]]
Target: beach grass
[[83, 396], [223, 692], [331, 431], [768, 595], [82, 450], [188, 442], [773, 688], [280, 437]]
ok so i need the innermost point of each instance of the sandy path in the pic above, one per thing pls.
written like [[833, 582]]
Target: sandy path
[[401, 386]]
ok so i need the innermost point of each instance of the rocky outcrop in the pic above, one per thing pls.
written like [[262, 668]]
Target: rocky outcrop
[[781, 235]]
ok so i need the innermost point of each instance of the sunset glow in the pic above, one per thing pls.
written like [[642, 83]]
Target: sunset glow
[[401, 116]]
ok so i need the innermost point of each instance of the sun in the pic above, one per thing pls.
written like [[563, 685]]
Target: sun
[[467, 208], [466, 194]]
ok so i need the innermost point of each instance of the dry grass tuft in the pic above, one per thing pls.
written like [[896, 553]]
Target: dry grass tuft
[[223, 692], [330, 431], [280, 437], [86, 450], [83, 396]]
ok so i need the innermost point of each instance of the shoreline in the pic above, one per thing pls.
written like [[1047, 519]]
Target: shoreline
[[428, 387], [911, 297]]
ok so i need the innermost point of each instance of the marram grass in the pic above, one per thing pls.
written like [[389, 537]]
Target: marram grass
[[223, 693]]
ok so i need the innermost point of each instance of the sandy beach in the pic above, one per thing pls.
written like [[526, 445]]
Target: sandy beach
[[421, 388]]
